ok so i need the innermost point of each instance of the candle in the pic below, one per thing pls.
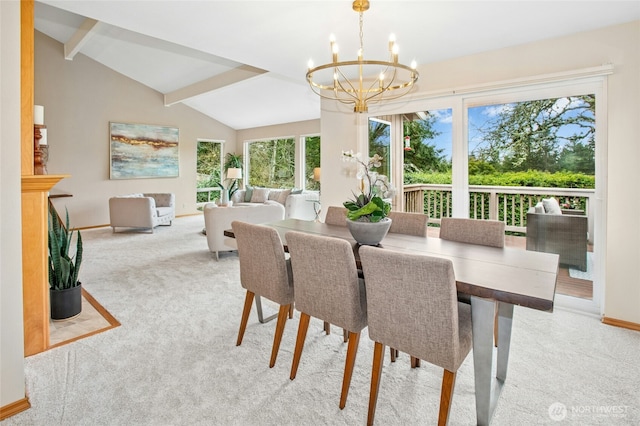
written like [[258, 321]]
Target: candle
[[38, 114], [43, 139]]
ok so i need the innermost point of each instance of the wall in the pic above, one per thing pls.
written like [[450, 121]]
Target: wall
[[619, 45], [12, 384], [80, 98]]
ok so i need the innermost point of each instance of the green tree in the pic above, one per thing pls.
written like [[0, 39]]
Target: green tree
[[534, 135], [423, 156], [312, 160], [272, 163]]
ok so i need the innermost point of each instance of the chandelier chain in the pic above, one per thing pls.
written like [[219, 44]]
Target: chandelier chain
[[361, 33]]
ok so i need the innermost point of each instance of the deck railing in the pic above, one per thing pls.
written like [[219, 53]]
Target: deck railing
[[506, 203], [212, 194]]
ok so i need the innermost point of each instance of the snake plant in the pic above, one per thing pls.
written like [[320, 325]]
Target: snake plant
[[63, 269]]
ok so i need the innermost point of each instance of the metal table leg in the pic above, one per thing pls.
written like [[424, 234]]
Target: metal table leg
[[259, 309], [487, 386]]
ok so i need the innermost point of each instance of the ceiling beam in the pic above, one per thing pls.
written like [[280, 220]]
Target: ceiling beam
[[233, 76], [78, 40]]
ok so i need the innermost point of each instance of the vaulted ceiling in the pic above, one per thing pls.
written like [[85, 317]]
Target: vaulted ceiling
[[243, 63]]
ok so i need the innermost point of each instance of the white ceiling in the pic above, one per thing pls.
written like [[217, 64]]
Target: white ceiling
[[171, 45]]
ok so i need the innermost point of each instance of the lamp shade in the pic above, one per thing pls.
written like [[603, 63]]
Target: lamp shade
[[316, 174], [234, 173]]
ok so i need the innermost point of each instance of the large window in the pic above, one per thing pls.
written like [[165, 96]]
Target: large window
[[271, 163], [208, 170], [380, 143]]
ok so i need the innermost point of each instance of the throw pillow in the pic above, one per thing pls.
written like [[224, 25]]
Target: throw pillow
[[551, 206], [260, 195], [248, 194], [274, 194], [539, 208], [296, 191], [282, 196]]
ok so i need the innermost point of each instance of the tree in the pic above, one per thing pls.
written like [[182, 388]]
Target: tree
[[423, 156], [534, 135]]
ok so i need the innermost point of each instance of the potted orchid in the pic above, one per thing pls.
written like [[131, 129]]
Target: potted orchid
[[370, 206]]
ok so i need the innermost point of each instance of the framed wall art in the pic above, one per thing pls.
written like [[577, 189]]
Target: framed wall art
[[143, 151]]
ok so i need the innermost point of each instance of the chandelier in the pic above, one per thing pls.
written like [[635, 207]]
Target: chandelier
[[361, 81]]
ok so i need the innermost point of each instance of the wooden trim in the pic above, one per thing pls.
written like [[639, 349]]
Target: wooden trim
[[621, 323], [113, 323], [27, 36], [14, 408], [40, 183]]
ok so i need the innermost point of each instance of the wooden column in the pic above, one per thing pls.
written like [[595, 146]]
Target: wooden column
[[35, 271], [35, 189]]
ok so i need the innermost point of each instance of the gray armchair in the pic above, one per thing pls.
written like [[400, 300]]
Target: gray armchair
[[562, 234]]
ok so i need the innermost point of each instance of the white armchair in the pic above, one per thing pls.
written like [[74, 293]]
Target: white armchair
[[142, 210]]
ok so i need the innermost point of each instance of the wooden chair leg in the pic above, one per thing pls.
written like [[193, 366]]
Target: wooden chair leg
[[345, 335], [277, 338], [393, 353], [415, 362], [248, 300], [302, 334], [448, 383], [327, 328], [376, 374], [291, 311], [352, 350]]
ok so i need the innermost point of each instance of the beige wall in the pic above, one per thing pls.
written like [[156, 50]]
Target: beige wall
[[12, 387], [80, 98], [618, 45]]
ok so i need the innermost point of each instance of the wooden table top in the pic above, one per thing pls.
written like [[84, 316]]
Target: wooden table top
[[519, 277]]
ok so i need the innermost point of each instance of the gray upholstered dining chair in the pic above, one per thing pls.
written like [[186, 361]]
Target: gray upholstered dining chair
[[473, 231], [336, 215], [412, 306], [409, 223], [264, 272], [328, 288]]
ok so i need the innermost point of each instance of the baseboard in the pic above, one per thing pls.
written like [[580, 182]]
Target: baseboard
[[14, 408], [620, 323]]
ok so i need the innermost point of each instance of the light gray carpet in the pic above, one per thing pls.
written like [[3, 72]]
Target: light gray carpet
[[174, 360]]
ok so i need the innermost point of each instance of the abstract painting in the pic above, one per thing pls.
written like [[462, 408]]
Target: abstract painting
[[143, 151]]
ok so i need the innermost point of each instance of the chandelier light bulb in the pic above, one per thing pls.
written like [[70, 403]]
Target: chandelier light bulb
[[414, 64], [310, 64]]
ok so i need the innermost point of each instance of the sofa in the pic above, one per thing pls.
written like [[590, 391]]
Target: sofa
[[552, 231], [218, 219], [144, 211], [304, 205]]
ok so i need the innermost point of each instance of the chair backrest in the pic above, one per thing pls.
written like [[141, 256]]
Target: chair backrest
[[473, 231], [326, 280], [336, 215], [412, 306], [263, 267], [409, 223]]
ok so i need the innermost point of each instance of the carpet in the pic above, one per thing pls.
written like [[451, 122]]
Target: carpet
[[173, 360], [584, 275]]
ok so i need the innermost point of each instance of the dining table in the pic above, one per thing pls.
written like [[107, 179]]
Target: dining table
[[495, 280]]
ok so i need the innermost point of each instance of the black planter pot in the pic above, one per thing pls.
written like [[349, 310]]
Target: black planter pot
[[66, 303]]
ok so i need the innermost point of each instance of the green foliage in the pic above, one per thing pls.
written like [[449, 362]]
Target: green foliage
[[423, 155], [272, 163], [546, 134], [63, 270], [373, 211], [312, 160], [530, 178]]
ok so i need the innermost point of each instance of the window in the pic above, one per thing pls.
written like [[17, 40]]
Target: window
[[311, 146], [208, 170], [380, 143], [271, 163]]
